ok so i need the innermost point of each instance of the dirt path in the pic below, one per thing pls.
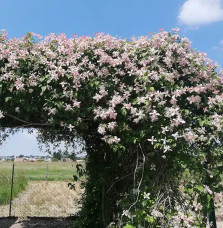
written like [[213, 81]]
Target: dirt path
[[45, 199], [35, 223]]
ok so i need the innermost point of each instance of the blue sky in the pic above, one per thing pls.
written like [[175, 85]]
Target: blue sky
[[199, 20]]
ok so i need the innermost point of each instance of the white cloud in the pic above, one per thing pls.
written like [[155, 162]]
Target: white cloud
[[194, 13], [221, 42]]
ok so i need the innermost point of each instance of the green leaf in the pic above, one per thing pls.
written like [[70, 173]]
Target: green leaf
[[43, 88], [200, 188], [7, 99], [42, 79], [124, 111], [187, 112], [149, 219], [129, 226], [142, 134]]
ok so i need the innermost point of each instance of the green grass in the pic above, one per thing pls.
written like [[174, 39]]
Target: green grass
[[36, 171], [20, 183], [32, 171]]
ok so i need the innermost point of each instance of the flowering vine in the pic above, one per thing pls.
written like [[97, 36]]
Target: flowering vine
[[151, 97]]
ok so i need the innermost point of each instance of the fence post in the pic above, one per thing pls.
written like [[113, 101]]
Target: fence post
[[46, 178], [212, 217], [211, 214], [10, 207]]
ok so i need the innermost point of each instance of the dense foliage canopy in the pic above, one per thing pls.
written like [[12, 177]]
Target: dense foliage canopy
[[149, 110]]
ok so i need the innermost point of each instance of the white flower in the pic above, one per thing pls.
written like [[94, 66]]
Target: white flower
[[207, 189], [68, 107], [197, 207], [113, 140], [157, 214], [97, 97], [203, 138], [126, 213], [76, 103], [1, 115], [176, 135], [167, 148], [170, 112], [112, 125], [176, 122], [154, 115], [201, 130], [17, 109], [116, 99], [152, 140], [164, 130], [101, 129], [52, 111], [146, 195], [164, 141], [190, 137], [70, 127]]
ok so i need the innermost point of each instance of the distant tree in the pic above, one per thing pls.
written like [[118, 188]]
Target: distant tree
[[57, 155], [21, 156], [72, 157]]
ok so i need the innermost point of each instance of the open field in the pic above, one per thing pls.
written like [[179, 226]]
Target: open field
[[32, 171], [37, 170]]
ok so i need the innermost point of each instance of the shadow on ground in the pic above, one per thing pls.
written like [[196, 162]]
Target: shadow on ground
[[14, 222], [7, 222], [34, 222]]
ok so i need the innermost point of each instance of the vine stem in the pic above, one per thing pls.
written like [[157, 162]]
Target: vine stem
[[140, 182], [26, 123]]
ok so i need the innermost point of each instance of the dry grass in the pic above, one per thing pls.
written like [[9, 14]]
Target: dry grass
[[53, 199]]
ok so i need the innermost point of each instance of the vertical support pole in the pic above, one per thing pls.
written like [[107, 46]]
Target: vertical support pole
[[46, 178], [211, 214], [212, 217], [10, 207], [103, 206]]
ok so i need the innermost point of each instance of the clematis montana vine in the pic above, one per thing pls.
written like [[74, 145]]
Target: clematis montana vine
[[153, 91]]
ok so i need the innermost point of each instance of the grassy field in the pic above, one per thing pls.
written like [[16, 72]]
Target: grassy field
[[37, 170], [32, 171], [20, 184]]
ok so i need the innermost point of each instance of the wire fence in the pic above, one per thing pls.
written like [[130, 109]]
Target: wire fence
[[38, 189]]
